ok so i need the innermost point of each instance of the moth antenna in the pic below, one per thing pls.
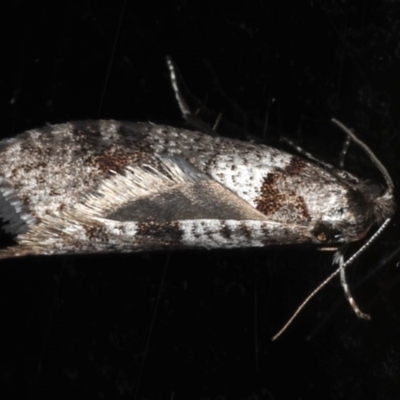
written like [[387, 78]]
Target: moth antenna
[[185, 110], [304, 303], [347, 291], [343, 265], [338, 258], [218, 120], [372, 156]]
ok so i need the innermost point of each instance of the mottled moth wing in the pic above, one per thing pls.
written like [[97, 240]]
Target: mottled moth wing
[[143, 208], [96, 186]]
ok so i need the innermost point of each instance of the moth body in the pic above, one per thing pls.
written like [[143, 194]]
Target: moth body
[[103, 186]]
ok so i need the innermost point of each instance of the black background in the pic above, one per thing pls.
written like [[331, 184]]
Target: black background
[[198, 325]]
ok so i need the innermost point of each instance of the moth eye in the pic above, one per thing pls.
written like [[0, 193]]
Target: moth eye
[[322, 237], [375, 190], [325, 232]]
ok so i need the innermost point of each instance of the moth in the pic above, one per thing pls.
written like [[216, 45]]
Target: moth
[[109, 186]]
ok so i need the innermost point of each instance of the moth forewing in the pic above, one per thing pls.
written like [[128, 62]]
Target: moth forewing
[[118, 171]]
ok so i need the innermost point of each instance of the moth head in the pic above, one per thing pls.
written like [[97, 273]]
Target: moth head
[[364, 205], [379, 201]]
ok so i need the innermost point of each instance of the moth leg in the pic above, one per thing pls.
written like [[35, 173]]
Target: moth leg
[[305, 153], [343, 153], [232, 104], [218, 120], [348, 294], [311, 157], [179, 88], [244, 126], [197, 119]]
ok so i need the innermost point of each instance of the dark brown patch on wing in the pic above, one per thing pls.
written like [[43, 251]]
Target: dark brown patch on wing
[[295, 166], [96, 232], [271, 199], [120, 144], [225, 232], [112, 160], [278, 194], [245, 230], [162, 233]]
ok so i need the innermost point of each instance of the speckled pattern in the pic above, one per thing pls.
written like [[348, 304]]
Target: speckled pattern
[[59, 184]]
